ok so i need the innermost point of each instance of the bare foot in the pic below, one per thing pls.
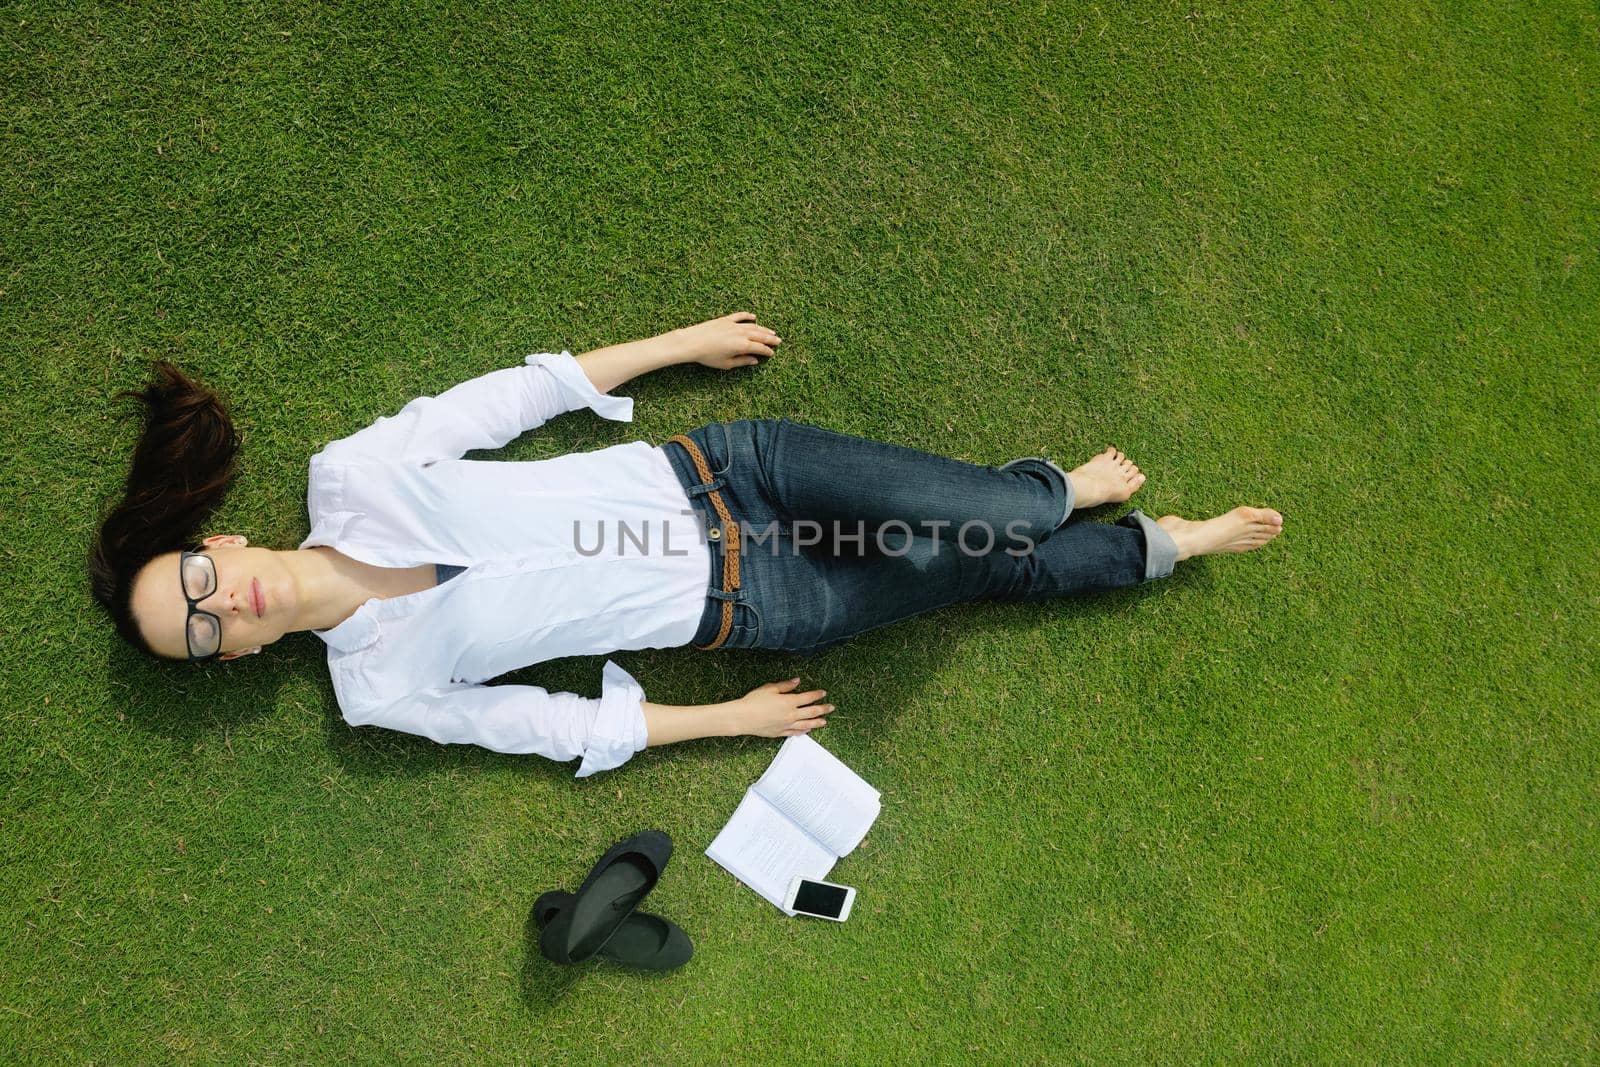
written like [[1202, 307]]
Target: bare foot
[[1109, 478], [1239, 530]]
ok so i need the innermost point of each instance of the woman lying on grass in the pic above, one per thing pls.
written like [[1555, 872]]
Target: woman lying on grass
[[427, 574]]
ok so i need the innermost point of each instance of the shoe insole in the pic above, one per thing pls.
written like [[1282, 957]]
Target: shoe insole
[[608, 900], [640, 939]]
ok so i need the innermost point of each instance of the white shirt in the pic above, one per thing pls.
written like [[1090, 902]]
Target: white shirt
[[398, 494]]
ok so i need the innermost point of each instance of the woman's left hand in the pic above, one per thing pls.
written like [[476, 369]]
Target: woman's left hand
[[736, 340]]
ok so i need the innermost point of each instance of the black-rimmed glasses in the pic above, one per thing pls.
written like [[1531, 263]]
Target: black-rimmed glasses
[[202, 630]]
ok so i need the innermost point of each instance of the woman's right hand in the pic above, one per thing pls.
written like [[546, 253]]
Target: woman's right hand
[[736, 340], [776, 710]]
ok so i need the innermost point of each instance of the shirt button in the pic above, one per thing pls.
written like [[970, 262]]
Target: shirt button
[[715, 533]]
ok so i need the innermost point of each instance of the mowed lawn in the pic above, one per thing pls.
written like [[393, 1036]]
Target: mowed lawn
[[1333, 800]]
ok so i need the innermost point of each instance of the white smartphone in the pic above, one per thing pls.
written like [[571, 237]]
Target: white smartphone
[[824, 900]]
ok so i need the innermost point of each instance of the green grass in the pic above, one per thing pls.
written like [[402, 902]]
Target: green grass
[[1334, 800]]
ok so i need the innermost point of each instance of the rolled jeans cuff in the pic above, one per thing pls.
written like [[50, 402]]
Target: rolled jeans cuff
[[1160, 550], [1066, 481]]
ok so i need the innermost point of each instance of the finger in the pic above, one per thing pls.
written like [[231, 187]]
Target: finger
[[753, 348], [806, 698], [743, 316], [810, 724], [751, 362], [784, 687]]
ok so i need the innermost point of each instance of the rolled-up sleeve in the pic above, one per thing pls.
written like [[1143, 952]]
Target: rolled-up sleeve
[[619, 727], [576, 390], [488, 411], [524, 719]]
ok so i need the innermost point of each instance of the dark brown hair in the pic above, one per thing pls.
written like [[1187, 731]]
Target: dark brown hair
[[182, 467]]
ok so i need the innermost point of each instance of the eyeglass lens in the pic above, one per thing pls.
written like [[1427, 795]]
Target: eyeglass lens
[[199, 582], [199, 577]]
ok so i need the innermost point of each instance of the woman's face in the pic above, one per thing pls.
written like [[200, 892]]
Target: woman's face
[[255, 599]]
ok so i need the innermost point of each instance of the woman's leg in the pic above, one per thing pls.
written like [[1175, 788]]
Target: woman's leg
[[851, 486], [809, 601]]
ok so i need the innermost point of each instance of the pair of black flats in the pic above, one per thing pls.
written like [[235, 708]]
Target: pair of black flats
[[601, 917]]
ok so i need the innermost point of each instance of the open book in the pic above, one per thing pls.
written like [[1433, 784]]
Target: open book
[[805, 812]]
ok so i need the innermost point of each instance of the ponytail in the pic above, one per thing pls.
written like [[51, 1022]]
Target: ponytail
[[182, 467]]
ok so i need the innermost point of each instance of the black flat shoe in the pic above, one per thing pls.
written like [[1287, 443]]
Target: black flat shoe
[[644, 941], [629, 869]]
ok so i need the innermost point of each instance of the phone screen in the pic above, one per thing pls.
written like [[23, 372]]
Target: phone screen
[[819, 899]]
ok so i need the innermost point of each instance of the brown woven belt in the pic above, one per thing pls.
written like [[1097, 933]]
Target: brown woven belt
[[728, 534]]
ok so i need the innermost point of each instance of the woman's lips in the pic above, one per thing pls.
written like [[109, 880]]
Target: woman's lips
[[258, 599]]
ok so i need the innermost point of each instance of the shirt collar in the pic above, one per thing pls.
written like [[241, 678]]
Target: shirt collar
[[351, 635]]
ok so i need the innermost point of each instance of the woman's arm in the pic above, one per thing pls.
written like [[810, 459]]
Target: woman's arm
[[735, 340], [771, 710]]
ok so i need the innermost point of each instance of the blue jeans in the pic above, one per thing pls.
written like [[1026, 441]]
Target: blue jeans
[[841, 534]]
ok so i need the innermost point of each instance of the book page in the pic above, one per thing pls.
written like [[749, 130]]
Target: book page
[[764, 850], [813, 787]]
